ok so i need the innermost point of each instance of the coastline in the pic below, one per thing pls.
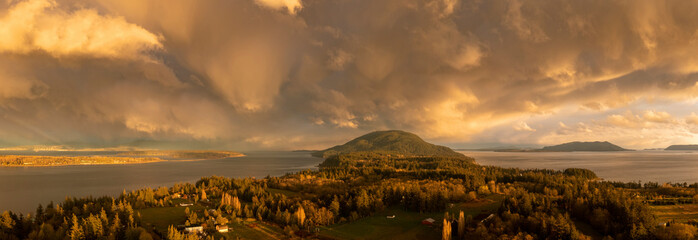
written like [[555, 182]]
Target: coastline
[[205, 159], [149, 160], [82, 164]]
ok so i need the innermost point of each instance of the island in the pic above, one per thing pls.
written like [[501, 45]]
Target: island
[[40, 161], [596, 146], [129, 157], [177, 154], [584, 146], [393, 145], [389, 142], [692, 147]]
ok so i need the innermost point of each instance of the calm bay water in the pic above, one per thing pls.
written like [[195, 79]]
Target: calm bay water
[[22, 189], [656, 166]]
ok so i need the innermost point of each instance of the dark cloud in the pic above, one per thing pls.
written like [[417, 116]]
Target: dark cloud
[[309, 74]]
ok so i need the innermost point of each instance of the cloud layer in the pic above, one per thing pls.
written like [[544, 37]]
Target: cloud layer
[[308, 74]]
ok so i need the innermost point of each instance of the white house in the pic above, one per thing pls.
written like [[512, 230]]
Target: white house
[[194, 229], [222, 228]]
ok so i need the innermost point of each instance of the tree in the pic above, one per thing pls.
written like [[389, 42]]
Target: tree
[[300, 216], [203, 194], [6, 220], [76, 232], [193, 219], [221, 220], [461, 225], [472, 196], [446, 233], [334, 206]]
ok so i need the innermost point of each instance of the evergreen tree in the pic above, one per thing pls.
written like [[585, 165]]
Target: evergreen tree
[[446, 233]]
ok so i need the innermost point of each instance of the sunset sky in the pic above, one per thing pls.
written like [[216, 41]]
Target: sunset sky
[[309, 74]]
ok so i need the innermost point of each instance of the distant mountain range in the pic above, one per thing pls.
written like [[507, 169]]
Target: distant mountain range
[[682, 147], [391, 142]]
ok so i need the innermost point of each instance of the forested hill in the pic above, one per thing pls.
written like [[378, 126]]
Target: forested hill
[[393, 141], [682, 147], [584, 146]]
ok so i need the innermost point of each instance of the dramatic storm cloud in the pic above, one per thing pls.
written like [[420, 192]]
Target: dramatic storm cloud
[[287, 74]]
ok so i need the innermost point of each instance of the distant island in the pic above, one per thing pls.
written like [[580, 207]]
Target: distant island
[[130, 157], [180, 154], [682, 147], [584, 146], [571, 147], [389, 142]]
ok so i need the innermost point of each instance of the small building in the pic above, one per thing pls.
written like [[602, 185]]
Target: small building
[[194, 229], [185, 204], [487, 218], [391, 216], [222, 228], [428, 221]]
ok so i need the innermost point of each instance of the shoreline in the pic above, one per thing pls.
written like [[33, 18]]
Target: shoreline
[[86, 164], [152, 160], [204, 159]]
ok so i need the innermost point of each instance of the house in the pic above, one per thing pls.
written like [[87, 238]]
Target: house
[[185, 204], [487, 218], [428, 221], [391, 216], [222, 228], [194, 229]]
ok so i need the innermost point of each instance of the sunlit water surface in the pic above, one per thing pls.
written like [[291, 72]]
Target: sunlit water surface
[[632, 166]]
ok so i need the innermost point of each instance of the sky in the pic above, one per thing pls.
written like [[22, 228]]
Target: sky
[[310, 74]]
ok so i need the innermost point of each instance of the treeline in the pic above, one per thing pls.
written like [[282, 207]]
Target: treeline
[[76, 218]]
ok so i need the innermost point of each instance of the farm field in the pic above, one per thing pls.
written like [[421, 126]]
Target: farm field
[[407, 224], [680, 212], [160, 218]]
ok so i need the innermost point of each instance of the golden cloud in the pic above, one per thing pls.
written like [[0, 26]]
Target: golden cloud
[[40, 25], [291, 5], [446, 69]]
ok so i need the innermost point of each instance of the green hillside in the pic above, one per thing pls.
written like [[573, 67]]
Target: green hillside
[[583, 146], [392, 142]]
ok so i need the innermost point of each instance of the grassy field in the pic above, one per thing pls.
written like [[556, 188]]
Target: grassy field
[[162, 217], [679, 213], [406, 224], [254, 230]]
